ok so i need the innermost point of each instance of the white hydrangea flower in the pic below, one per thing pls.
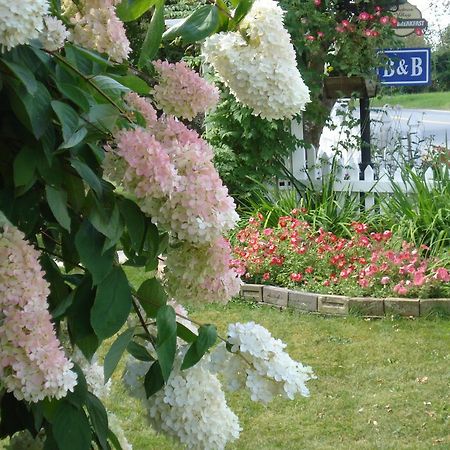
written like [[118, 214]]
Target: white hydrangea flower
[[265, 369], [190, 408], [93, 372], [261, 69], [54, 34], [20, 21]]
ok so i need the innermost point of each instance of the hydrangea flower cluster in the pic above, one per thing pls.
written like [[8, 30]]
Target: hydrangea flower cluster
[[260, 69], [32, 364], [54, 34], [169, 169], [98, 28], [93, 372], [20, 22], [181, 91], [267, 370], [208, 278], [190, 408]]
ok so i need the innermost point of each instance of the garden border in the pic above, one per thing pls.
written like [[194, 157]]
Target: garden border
[[340, 305]]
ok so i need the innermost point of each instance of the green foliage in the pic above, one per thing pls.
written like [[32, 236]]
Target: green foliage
[[423, 215], [245, 145]]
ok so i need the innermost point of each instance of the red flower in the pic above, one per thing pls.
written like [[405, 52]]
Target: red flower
[[358, 226], [266, 276], [364, 16], [297, 277]]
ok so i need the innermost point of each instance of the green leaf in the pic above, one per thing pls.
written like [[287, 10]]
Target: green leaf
[[134, 221], [107, 221], [109, 86], [34, 111], [139, 352], [115, 352], [199, 25], [242, 9], [78, 319], [153, 380], [185, 333], [103, 116], [90, 55], [71, 428], [166, 340], [99, 419], [74, 94], [24, 167], [114, 441], [89, 243], [75, 139], [112, 304], [57, 200], [153, 37], [62, 307], [151, 296], [207, 335], [129, 10], [88, 175], [22, 73], [68, 118], [133, 82]]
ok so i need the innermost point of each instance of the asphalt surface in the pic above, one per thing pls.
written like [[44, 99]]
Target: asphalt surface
[[395, 132], [428, 125]]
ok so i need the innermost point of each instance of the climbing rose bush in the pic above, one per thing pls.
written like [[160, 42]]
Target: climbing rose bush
[[258, 64], [294, 254]]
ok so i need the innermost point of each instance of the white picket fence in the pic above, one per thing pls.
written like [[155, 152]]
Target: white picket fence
[[308, 169]]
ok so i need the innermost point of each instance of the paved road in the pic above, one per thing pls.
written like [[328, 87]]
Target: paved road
[[394, 131], [430, 125]]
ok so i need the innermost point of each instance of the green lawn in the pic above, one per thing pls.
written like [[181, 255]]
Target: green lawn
[[429, 100], [382, 384]]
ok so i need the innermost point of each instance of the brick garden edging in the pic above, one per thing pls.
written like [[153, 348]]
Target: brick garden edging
[[342, 305]]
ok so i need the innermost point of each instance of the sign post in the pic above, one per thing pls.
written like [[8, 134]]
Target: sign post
[[406, 67]]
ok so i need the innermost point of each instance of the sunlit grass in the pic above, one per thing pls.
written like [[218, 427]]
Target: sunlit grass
[[427, 100], [381, 384]]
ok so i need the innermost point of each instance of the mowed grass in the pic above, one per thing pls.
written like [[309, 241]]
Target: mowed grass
[[382, 384], [428, 100]]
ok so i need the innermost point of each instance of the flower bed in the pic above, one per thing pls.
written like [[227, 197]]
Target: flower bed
[[365, 264]]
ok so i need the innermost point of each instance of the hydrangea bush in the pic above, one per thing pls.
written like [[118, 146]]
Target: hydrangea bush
[[295, 254], [96, 159]]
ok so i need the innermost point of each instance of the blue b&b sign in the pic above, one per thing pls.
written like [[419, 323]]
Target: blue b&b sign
[[406, 67]]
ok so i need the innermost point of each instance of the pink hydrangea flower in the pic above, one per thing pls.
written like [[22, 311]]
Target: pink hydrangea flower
[[201, 273], [33, 365], [169, 169], [143, 106], [182, 92], [98, 28]]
